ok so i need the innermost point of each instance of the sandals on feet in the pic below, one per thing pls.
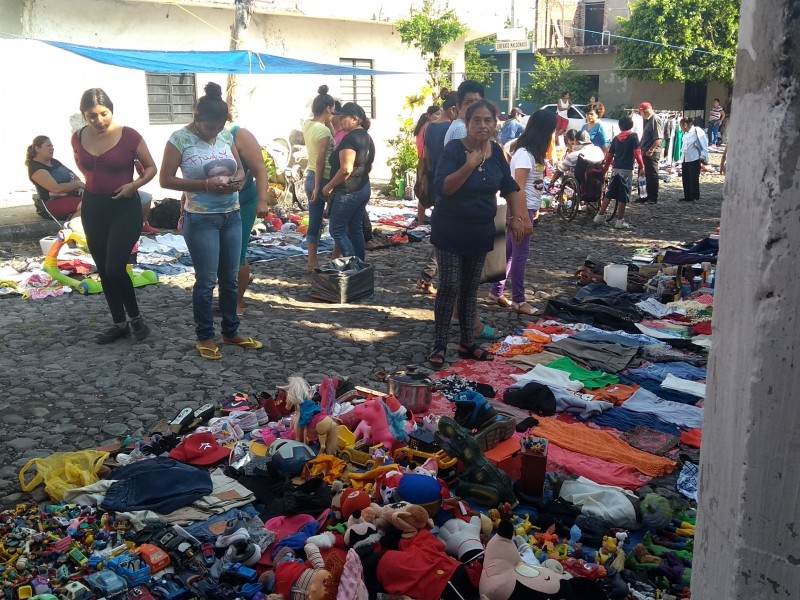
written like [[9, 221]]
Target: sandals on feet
[[489, 334], [209, 353], [474, 352], [436, 358], [523, 308], [247, 344], [426, 287], [499, 300]]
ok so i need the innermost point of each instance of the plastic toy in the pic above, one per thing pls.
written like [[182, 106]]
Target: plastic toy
[[239, 571], [366, 481], [384, 427], [358, 454], [308, 416], [154, 556], [289, 456], [87, 286], [140, 593], [132, 569], [75, 590], [169, 589], [107, 584]]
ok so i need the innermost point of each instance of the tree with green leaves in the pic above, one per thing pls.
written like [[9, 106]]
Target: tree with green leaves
[[478, 68], [551, 77], [693, 40], [429, 29]]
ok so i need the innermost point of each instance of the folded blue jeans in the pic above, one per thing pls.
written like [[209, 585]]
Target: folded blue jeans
[[215, 243]]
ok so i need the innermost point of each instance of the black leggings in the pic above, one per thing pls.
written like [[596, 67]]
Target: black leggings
[[112, 229], [459, 278]]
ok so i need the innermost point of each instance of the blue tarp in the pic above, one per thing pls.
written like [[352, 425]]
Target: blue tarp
[[235, 61]]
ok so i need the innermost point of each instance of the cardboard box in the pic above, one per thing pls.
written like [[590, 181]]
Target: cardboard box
[[506, 456]]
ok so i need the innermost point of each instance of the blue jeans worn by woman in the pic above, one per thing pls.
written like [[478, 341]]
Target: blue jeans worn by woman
[[316, 210], [215, 243], [347, 212]]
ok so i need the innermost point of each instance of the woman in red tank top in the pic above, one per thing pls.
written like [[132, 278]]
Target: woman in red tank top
[[105, 152]]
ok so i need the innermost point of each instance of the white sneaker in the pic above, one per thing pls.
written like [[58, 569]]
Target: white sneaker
[[621, 224], [599, 219]]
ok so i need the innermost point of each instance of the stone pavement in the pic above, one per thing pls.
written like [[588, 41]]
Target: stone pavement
[[61, 391]]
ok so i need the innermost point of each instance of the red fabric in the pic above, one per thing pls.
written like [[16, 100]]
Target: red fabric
[[562, 124], [702, 328], [419, 570], [495, 373], [106, 173], [692, 438], [285, 576], [64, 206], [75, 266], [566, 462]]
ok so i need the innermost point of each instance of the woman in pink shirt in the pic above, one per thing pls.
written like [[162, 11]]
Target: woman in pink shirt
[[111, 211]]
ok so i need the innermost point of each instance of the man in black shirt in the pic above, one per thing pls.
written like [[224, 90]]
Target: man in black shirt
[[652, 135]]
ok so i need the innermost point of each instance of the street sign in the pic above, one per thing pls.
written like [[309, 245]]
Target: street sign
[[512, 45]]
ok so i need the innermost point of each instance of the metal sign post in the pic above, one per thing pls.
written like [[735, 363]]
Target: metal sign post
[[512, 40]]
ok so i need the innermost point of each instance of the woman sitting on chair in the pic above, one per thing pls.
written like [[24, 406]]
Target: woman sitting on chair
[[60, 189]]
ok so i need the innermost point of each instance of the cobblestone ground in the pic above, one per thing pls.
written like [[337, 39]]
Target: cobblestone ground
[[61, 391]]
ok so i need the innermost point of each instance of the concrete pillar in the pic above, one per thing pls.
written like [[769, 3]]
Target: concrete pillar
[[748, 536]]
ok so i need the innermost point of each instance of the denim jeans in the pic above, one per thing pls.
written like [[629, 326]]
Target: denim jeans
[[347, 213], [215, 242], [316, 210], [713, 132]]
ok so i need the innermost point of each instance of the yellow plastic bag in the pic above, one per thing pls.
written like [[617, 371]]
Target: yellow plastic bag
[[62, 471]]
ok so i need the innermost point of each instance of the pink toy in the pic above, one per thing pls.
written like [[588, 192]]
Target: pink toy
[[374, 413]]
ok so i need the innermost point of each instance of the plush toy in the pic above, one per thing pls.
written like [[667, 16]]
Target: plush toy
[[643, 556], [385, 427], [404, 517], [462, 539], [360, 533], [294, 580], [506, 577], [353, 500], [337, 489], [386, 487], [308, 417]]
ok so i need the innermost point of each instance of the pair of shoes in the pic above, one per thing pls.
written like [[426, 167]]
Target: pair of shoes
[[685, 200], [436, 358], [500, 300], [248, 344], [640, 201], [523, 308], [139, 328], [245, 553], [236, 531], [599, 219], [622, 224], [474, 352], [208, 353], [112, 334], [489, 333], [147, 229], [426, 287]]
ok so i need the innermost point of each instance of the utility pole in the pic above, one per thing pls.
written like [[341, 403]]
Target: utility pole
[[241, 21], [512, 63]]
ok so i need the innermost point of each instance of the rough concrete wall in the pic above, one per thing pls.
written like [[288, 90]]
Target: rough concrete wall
[[11, 16], [748, 542]]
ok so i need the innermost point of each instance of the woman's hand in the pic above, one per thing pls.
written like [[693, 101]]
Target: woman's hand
[[520, 227], [219, 185], [314, 196], [327, 190], [125, 191], [474, 158], [262, 208]]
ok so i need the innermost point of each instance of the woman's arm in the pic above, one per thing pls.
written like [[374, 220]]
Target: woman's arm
[[319, 165], [347, 160], [453, 182], [149, 171], [43, 179], [520, 221], [250, 151]]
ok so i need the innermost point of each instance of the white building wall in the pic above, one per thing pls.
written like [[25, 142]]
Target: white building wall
[[49, 81]]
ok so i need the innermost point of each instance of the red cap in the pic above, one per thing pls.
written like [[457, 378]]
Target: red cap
[[645, 106], [200, 449], [353, 500]]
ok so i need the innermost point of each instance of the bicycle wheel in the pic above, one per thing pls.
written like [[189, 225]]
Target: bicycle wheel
[[611, 211], [568, 199]]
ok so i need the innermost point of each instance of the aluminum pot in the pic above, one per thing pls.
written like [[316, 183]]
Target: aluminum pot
[[412, 390]]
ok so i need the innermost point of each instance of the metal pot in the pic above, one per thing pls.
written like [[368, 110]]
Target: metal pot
[[412, 390]]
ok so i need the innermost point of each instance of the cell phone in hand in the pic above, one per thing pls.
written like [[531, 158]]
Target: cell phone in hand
[[234, 181]]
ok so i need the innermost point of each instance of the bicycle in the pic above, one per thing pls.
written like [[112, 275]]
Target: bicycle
[[586, 186]]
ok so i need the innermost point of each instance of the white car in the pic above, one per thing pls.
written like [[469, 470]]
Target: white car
[[577, 119]]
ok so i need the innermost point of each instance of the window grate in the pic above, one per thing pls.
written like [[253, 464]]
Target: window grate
[[358, 88], [170, 97]]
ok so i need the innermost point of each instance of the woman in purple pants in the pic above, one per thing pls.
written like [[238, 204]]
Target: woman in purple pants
[[528, 154]]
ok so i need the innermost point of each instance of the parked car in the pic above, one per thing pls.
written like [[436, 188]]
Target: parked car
[[577, 119]]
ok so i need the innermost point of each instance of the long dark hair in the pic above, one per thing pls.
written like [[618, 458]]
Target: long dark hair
[[425, 117], [538, 134], [211, 107], [30, 153], [95, 97]]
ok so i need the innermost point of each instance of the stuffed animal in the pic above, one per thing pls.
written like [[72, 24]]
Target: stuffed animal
[[298, 580], [386, 487], [462, 539], [404, 517], [308, 418], [360, 533], [385, 427], [506, 577]]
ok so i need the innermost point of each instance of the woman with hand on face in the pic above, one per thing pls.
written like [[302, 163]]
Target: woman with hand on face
[[349, 187], [111, 211], [318, 134], [595, 128], [59, 188], [212, 173], [470, 173]]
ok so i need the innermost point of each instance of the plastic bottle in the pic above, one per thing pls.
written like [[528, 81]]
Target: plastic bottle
[[686, 288], [642, 188]]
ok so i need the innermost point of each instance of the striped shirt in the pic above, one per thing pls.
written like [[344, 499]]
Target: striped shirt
[[715, 114]]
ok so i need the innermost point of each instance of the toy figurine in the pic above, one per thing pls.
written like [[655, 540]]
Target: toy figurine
[[308, 417]]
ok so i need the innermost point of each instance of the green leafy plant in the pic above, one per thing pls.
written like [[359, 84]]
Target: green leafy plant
[[272, 170], [405, 154], [429, 29], [478, 68], [689, 36], [551, 78]]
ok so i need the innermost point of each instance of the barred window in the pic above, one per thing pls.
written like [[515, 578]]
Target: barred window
[[358, 88], [170, 97]]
